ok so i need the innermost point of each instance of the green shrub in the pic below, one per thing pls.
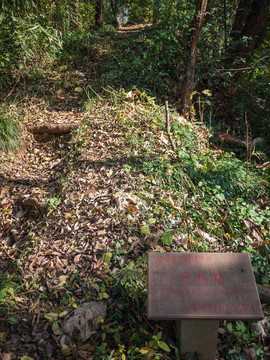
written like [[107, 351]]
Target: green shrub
[[27, 47]]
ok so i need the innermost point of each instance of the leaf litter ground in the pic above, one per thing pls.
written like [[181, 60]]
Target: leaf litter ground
[[77, 212]]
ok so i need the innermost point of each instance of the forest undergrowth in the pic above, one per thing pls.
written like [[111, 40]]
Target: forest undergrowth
[[80, 212]]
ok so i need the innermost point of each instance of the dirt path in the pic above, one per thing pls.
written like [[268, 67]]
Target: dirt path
[[58, 216], [127, 31]]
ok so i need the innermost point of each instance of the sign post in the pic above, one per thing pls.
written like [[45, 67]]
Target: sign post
[[198, 290]]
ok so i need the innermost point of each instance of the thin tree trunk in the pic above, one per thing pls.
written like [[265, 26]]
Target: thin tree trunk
[[114, 5], [190, 73], [98, 14], [250, 23], [225, 23]]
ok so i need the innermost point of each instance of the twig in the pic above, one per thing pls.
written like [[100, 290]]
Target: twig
[[200, 110], [168, 126], [88, 86], [247, 68], [243, 69], [185, 211], [145, 123], [247, 145], [264, 166], [133, 245], [11, 91], [3, 248]]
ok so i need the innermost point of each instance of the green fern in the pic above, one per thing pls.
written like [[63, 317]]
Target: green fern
[[130, 277], [131, 280]]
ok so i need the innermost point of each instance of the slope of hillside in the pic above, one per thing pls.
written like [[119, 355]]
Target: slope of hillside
[[79, 213]]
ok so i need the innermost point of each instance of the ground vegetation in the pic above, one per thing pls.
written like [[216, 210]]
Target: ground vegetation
[[98, 167]]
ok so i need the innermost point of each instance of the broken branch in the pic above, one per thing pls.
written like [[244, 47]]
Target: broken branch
[[168, 126], [52, 128]]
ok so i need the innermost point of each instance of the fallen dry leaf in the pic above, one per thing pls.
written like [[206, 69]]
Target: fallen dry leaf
[[205, 236], [254, 230], [7, 356]]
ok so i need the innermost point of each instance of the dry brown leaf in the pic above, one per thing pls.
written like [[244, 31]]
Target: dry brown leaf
[[100, 262], [132, 94], [254, 230], [77, 259], [163, 138], [250, 354], [7, 356], [55, 253], [205, 236]]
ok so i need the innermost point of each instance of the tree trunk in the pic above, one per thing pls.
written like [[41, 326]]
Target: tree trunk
[[189, 81], [114, 5], [248, 28], [98, 14]]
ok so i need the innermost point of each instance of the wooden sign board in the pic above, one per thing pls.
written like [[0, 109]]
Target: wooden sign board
[[202, 286]]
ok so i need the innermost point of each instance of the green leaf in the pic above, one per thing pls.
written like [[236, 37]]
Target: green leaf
[[156, 211], [265, 280], [164, 346], [63, 314], [85, 347], [78, 89], [233, 351], [207, 92], [103, 295], [13, 320], [107, 257], [2, 293], [145, 350], [51, 317], [194, 93], [167, 239], [240, 326], [145, 230], [66, 350], [230, 327], [220, 197], [151, 221], [2, 14], [55, 325]]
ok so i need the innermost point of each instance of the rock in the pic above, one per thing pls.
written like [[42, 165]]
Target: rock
[[264, 293], [257, 328], [64, 340], [85, 319]]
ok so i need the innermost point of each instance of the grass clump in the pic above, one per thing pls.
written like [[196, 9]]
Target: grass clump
[[9, 133]]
